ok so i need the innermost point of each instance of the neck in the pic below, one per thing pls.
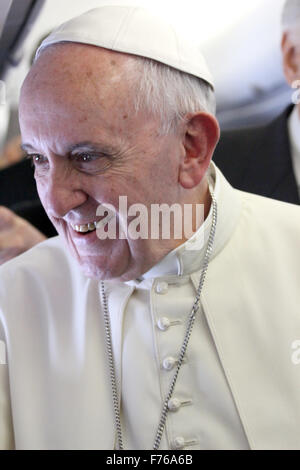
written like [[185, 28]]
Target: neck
[[200, 211], [159, 248]]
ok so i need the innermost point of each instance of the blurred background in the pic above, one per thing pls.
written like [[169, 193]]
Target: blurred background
[[239, 39]]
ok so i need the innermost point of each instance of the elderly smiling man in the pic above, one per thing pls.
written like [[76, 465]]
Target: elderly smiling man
[[138, 342]]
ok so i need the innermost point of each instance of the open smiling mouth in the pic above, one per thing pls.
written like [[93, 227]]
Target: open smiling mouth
[[86, 229]]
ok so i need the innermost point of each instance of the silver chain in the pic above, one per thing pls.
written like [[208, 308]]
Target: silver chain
[[191, 320]]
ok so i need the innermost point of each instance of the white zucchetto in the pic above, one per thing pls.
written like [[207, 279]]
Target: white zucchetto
[[133, 30]]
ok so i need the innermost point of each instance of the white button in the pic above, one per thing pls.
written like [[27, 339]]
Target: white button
[[178, 443], [163, 323], [169, 363], [162, 288], [174, 404]]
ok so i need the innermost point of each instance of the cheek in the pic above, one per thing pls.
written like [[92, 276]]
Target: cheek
[[43, 192], [41, 189], [109, 190]]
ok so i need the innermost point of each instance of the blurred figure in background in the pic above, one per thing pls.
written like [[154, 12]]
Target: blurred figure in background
[[266, 160], [23, 221], [12, 152], [16, 235]]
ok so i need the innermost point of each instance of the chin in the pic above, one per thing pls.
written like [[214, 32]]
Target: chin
[[92, 272], [120, 272], [100, 262]]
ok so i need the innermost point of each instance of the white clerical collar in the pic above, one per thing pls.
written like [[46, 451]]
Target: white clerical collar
[[177, 261], [294, 135]]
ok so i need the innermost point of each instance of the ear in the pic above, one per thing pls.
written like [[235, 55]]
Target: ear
[[290, 59], [201, 135]]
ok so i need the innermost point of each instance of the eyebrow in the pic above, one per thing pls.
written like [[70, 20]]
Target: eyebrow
[[91, 147], [26, 147], [86, 146]]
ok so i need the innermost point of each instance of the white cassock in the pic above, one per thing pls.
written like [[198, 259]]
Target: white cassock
[[238, 387]]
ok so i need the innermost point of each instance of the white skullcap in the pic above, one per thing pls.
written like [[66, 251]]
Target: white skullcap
[[290, 13], [133, 30]]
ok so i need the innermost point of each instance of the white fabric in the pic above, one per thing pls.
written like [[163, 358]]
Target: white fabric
[[243, 386], [294, 135], [133, 30], [201, 381]]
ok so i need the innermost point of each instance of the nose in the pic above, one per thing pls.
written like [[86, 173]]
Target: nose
[[60, 192]]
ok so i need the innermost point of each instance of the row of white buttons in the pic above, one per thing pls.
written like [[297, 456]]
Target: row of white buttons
[[174, 404], [179, 442]]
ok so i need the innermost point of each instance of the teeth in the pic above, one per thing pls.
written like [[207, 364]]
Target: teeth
[[85, 228], [92, 225]]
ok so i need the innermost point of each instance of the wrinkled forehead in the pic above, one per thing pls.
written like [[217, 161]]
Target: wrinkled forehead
[[78, 72], [76, 91]]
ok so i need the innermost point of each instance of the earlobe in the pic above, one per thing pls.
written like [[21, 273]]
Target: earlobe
[[201, 136]]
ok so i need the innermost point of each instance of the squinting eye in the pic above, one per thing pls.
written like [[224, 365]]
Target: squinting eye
[[36, 159], [85, 157], [91, 162]]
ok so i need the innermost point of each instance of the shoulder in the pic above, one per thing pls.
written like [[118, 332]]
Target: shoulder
[[239, 135], [47, 249], [258, 159], [271, 208], [45, 264], [245, 139], [236, 150], [42, 288], [237, 142], [270, 222]]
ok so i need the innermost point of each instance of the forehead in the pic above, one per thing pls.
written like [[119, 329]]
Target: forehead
[[68, 74], [74, 85], [74, 63]]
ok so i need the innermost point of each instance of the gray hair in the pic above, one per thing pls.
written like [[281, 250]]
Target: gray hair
[[169, 93], [291, 17], [163, 91]]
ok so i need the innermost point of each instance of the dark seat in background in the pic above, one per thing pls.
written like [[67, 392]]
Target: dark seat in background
[[18, 193]]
